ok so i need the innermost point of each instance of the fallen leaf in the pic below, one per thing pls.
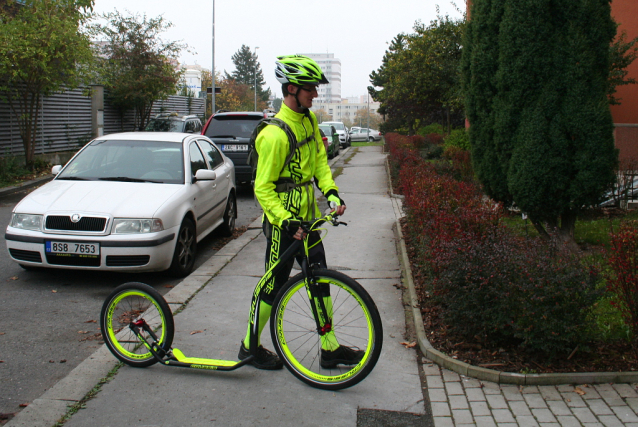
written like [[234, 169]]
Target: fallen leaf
[[2, 333], [63, 361], [169, 286], [1, 361], [51, 361], [569, 400], [23, 405], [91, 321], [579, 390], [54, 291], [13, 278], [196, 332], [83, 332], [408, 344]]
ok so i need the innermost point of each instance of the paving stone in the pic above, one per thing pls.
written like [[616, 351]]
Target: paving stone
[[590, 392], [454, 389], [462, 416], [480, 409], [434, 381], [573, 400], [503, 416], [549, 424], [610, 421], [496, 401], [491, 388], [529, 389], [431, 369], [549, 392], [535, 400], [507, 424], [469, 383], [443, 422], [625, 414], [604, 387], [625, 390], [585, 415], [450, 376], [484, 422], [512, 393], [631, 425], [599, 407], [475, 395], [437, 395], [520, 409], [558, 407], [544, 415], [633, 403], [526, 421], [458, 402], [610, 395], [440, 409], [565, 388], [568, 421], [593, 425]]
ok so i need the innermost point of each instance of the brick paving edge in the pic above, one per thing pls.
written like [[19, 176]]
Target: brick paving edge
[[477, 372]]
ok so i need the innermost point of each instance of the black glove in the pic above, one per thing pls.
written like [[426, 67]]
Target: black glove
[[290, 226]]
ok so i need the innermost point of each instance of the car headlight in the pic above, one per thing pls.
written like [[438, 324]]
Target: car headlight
[[131, 226], [27, 221]]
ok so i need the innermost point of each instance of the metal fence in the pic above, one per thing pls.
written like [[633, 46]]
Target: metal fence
[[64, 122]]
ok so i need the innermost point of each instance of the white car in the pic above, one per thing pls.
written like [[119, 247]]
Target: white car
[[365, 134], [342, 130], [128, 202]]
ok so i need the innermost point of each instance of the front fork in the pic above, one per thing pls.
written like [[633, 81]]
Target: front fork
[[323, 318], [158, 352]]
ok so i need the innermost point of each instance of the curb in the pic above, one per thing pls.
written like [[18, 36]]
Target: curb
[[7, 191], [477, 372], [89, 374]]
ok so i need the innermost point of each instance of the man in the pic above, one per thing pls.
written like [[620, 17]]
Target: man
[[285, 191]]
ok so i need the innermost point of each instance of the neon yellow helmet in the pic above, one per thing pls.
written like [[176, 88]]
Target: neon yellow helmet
[[299, 70]]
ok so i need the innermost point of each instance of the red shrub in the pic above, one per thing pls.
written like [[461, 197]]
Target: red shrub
[[623, 280]]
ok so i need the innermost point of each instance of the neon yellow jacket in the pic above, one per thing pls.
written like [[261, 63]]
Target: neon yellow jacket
[[309, 161]]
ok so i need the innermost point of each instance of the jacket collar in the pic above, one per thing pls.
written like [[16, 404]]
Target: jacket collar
[[289, 114]]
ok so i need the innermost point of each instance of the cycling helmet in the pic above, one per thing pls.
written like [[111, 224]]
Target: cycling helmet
[[299, 70]]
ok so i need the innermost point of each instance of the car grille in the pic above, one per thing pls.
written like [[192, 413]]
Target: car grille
[[21, 255], [74, 260], [61, 222], [126, 260]]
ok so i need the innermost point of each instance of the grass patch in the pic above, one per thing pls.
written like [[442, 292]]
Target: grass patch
[[368, 144]]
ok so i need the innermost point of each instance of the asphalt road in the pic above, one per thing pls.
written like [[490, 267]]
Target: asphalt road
[[49, 319]]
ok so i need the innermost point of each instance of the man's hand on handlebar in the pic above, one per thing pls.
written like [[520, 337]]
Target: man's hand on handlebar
[[293, 229]]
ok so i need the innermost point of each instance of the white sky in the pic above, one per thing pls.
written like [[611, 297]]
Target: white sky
[[356, 31]]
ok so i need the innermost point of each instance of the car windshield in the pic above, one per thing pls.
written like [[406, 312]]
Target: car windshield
[[338, 126], [165, 125], [128, 161], [232, 126], [325, 129]]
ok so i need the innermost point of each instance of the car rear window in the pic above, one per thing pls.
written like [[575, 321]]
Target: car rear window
[[232, 126]]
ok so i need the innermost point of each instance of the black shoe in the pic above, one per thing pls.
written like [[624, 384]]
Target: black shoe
[[264, 359], [341, 356]]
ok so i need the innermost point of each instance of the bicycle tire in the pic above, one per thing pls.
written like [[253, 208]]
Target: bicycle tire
[[356, 323], [129, 302]]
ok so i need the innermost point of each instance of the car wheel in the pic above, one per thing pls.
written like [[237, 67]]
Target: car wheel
[[371, 139], [185, 250], [230, 214]]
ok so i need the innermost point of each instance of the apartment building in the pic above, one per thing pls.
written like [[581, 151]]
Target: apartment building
[[331, 67]]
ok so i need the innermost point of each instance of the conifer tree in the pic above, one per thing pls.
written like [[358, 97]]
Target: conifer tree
[[247, 68], [536, 75]]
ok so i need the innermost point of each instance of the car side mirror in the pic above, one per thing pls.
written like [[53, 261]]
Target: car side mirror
[[205, 175], [56, 169]]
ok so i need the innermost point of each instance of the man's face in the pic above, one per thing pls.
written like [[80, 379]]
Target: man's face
[[306, 94]]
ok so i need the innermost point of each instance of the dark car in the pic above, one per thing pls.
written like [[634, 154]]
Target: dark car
[[174, 122], [231, 132], [331, 139]]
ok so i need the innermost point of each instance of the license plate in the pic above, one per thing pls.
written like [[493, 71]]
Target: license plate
[[235, 147], [72, 248]]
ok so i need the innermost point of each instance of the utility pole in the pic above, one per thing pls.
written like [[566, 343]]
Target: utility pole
[[255, 73], [212, 105]]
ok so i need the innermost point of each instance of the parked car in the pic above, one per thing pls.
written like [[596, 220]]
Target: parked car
[[174, 122], [342, 130], [331, 139], [231, 132], [365, 134], [129, 202]]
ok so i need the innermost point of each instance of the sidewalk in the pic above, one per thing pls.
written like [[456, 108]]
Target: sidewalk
[[162, 396]]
